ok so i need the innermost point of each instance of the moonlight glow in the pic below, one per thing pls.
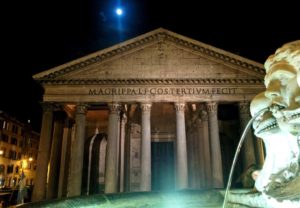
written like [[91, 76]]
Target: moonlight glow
[[119, 11]]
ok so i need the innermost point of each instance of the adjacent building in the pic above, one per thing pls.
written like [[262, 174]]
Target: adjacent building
[[158, 112], [18, 151]]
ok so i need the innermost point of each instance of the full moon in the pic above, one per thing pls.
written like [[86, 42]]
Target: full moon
[[119, 11]]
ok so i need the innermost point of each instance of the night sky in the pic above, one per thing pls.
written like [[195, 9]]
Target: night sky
[[38, 35]]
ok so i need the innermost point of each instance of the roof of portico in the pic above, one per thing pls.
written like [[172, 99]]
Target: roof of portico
[[87, 70]]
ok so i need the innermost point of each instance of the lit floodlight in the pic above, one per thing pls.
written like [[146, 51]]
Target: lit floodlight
[[119, 11]]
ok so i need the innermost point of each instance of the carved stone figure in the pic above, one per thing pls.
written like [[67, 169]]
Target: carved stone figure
[[279, 126]]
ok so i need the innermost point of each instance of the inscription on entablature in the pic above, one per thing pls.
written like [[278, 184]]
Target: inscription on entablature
[[163, 91]]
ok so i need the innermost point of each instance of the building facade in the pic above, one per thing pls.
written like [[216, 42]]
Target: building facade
[[18, 151], [158, 112]]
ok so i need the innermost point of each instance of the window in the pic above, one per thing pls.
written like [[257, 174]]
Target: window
[[10, 169], [12, 155], [4, 137], [14, 141], [21, 143], [2, 182], [19, 156], [15, 129], [5, 125], [2, 169], [17, 169]]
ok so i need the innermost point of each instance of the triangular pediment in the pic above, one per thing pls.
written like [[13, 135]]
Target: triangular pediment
[[160, 54]]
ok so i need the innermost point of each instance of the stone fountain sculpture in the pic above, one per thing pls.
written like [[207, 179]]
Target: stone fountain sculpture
[[278, 183]]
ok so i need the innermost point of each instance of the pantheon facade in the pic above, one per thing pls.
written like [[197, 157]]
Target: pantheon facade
[[158, 112]]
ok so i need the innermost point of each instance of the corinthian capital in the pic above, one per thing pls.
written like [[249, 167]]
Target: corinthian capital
[[47, 106], [212, 107], [179, 107], [114, 108], [81, 108], [146, 107], [244, 108], [203, 115]]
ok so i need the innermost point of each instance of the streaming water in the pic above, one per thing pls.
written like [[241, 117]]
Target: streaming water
[[238, 149]]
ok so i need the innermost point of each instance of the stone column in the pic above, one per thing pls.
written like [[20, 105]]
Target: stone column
[[200, 148], [146, 148], [65, 158], [53, 178], [181, 149], [39, 190], [216, 158], [77, 150], [122, 151], [194, 170], [248, 150], [190, 159], [111, 170], [206, 151]]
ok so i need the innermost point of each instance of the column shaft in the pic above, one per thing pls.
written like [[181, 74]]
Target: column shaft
[[181, 148], [207, 151], [39, 190], [64, 160], [122, 152], [111, 170], [201, 156], [52, 186], [77, 150], [146, 148], [216, 158]]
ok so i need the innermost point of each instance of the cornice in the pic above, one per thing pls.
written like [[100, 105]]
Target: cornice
[[158, 35], [154, 82], [97, 57], [218, 54]]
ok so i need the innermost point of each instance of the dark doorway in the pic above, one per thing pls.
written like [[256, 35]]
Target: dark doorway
[[162, 163]]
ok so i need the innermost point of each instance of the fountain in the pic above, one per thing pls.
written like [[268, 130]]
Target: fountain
[[278, 183]]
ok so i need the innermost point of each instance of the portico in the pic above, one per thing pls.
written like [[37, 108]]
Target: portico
[[158, 87]]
